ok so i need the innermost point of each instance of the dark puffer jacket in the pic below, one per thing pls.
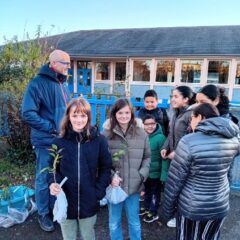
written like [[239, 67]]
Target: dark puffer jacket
[[87, 164], [44, 104], [197, 182]]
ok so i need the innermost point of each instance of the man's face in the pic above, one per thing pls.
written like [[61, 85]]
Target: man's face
[[62, 64]]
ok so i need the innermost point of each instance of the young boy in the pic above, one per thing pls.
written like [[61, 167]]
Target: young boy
[[150, 107], [153, 183]]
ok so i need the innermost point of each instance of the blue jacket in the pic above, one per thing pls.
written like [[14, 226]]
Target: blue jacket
[[86, 162], [44, 104]]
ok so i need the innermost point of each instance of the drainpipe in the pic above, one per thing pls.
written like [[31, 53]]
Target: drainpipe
[[127, 83]]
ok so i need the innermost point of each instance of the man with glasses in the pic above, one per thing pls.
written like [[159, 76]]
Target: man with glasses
[[43, 107]]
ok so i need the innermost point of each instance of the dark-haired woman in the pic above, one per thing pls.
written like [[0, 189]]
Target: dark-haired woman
[[216, 96], [197, 187], [124, 133], [182, 99], [86, 162]]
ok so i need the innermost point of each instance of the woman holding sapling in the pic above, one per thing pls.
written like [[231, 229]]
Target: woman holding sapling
[[129, 146], [86, 162]]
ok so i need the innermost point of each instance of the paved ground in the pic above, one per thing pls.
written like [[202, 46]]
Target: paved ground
[[155, 231]]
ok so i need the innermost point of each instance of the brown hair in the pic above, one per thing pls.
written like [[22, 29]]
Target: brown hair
[[119, 104], [82, 106]]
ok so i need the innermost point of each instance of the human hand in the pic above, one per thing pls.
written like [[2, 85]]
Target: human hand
[[55, 189], [171, 155], [116, 181], [164, 153]]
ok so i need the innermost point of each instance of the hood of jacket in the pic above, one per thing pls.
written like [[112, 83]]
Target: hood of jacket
[[218, 126], [157, 131], [49, 72], [107, 124]]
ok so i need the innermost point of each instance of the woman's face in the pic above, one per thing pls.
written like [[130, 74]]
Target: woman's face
[[123, 116], [177, 100], [202, 98], [195, 120], [78, 120]]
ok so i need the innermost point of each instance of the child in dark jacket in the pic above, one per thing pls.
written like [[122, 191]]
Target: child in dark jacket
[[158, 170], [150, 107], [86, 162]]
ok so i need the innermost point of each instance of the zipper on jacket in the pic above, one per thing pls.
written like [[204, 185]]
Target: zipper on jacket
[[63, 93], [78, 180]]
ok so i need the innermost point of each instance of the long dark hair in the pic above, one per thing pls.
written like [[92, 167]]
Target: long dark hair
[[206, 110], [119, 104], [81, 106], [187, 92], [213, 93]]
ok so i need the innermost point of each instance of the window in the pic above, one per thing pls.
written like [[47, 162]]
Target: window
[[120, 71], [84, 65], [237, 78], [191, 71], [103, 71], [141, 71], [165, 71], [218, 72]]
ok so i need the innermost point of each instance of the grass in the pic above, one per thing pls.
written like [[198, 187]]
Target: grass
[[12, 174]]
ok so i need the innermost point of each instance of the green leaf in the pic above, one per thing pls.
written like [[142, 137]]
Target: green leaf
[[54, 147]]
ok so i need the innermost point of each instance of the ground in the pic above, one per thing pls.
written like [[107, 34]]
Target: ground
[[30, 229]]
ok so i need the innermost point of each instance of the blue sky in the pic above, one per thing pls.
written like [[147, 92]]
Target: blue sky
[[57, 16]]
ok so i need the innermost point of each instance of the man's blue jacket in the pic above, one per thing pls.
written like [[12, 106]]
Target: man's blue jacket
[[44, 104]]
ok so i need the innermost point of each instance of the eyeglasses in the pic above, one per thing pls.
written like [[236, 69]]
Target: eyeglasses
[[64, 63]]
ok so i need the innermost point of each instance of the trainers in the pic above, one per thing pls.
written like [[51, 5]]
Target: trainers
[[150, 218], [46, 224], [142, 211], [172, 223]]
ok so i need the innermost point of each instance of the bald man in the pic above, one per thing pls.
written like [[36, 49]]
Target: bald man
[[43, 107]]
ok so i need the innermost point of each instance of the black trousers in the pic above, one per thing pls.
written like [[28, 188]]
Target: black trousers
[[198, 230], [152, 195]]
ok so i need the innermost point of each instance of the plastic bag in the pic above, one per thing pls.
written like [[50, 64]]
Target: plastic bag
[[17, 216], [115, 195], [60, 206]]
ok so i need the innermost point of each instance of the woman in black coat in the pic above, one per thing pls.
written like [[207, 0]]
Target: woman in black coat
[[197, 187], [86, 162]]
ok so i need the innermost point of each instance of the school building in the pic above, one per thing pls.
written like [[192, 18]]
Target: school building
[[131, 61]]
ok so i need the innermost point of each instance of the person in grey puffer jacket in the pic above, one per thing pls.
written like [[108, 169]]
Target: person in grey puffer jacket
[[128, 141], [198, 187]]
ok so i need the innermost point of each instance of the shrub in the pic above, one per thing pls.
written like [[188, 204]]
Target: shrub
[[19, 63]]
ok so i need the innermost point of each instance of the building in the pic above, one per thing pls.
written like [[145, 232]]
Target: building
[[134, 60]]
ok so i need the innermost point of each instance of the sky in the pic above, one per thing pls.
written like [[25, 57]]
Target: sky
[[19, 17]]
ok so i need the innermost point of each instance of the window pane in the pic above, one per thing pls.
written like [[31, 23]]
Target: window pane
[[141, 71], [237, 78], [165, 71], [218, 71], [120, 71], [191, 71], [84, 65], [102, 71]]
